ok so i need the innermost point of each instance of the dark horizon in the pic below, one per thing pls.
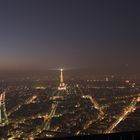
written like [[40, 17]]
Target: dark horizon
[[70, 73], [102, 36]]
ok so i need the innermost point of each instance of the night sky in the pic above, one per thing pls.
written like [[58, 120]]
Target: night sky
[[73, 34]]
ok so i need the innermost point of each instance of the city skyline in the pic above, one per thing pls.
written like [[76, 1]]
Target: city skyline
[[98, 35], [69, 68], [32, 108]]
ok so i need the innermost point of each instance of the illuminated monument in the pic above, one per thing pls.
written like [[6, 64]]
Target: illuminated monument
[[62, 85], [3, 114]]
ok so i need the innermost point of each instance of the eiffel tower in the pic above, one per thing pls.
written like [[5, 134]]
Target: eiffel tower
[[62, 85]]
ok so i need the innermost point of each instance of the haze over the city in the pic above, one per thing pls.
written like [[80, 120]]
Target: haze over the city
[[49, 34]]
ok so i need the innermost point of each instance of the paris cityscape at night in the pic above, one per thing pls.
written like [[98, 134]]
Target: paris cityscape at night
[[69, 68], [36, 107]]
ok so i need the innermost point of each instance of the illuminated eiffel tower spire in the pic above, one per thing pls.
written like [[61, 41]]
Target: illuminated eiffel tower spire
[[61, 77], [3, 114], [62, 85]]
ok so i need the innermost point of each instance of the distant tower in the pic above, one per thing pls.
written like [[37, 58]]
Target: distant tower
[[61, 77], [106, 79], [62, 85], [3, 114]]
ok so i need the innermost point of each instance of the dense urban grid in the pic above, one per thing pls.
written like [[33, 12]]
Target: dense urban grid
[[42, 108]]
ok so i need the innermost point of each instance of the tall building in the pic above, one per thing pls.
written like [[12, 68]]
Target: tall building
[[62, 85], [3, 114]]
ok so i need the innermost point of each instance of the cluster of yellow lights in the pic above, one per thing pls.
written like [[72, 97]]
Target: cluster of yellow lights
[[62, 88], [138, 99], [40, 87], [127, 81]]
